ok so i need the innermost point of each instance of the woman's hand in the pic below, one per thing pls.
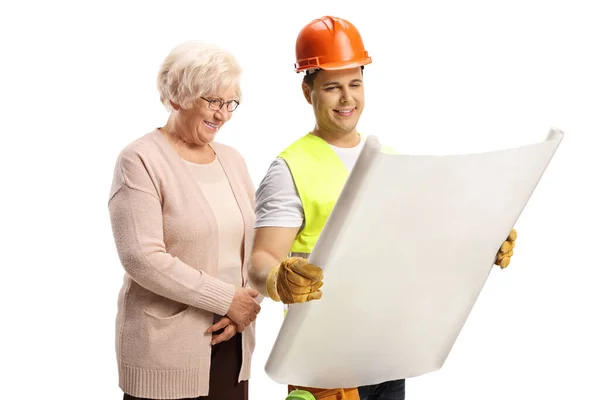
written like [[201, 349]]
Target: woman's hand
[[229, 330], [243, 308]]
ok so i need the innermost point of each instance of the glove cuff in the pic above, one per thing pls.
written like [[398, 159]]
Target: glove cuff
[[272, 284]]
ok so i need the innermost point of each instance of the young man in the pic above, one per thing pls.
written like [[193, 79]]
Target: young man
[[302, 185]]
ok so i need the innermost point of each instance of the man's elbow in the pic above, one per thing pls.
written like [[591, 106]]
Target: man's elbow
[[254, 275]]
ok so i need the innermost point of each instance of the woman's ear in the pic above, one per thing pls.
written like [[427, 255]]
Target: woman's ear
[[175, 105]]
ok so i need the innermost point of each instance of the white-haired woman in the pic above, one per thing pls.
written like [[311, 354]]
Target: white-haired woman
[[181, 209]]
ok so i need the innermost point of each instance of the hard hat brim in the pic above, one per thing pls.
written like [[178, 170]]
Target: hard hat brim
[[345, 64], [335, 66]]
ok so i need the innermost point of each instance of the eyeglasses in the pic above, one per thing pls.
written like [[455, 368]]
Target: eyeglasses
[[217, 104]]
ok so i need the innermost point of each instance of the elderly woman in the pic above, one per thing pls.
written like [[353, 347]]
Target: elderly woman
[[181, 209]]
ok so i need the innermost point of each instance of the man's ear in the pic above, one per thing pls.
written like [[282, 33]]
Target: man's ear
[[306, 90], [175, 105]]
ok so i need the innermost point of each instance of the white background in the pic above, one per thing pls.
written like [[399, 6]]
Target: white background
[[78, 84]]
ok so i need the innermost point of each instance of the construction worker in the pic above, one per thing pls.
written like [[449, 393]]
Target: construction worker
[[302, 185]]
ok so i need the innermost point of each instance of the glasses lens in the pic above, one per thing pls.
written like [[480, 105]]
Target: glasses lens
[[232, 105], [214, 104]]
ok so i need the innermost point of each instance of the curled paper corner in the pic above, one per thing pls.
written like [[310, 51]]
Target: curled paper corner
[[373, 142], [555, 134]]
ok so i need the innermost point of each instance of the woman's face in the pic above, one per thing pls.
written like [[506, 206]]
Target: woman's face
[[199, 125]]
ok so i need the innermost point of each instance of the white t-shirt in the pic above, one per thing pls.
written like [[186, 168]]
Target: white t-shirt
[[277, 201]]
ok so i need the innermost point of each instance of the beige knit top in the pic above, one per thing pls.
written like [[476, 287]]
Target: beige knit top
[[216, 188]]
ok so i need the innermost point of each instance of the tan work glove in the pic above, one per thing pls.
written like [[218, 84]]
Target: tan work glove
[[506, 250], [295, 281]]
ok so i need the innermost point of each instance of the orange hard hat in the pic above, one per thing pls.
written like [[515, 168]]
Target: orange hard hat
[[330, 43]]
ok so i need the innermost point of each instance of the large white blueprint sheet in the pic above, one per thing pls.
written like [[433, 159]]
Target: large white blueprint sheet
[[405, 253]]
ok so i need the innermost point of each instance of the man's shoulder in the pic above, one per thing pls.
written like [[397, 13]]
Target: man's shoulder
[[277, 167], [295, 143], [308, 145]]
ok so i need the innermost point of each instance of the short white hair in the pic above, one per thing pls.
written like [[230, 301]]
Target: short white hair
[[193, 69]]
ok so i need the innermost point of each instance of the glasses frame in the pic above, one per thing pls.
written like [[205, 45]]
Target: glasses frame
[[219, 103]]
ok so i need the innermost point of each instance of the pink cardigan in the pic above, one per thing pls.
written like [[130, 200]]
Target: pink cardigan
[[165, 234]]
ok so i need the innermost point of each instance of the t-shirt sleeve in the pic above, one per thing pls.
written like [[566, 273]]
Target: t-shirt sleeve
[[277, 200]]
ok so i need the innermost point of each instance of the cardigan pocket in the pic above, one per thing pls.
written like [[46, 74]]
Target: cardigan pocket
[[168, 342], [165, 314]]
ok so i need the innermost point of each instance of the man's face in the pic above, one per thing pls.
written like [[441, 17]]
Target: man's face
[[338, 99]]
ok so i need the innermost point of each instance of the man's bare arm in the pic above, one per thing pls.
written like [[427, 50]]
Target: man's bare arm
[[271, 246]]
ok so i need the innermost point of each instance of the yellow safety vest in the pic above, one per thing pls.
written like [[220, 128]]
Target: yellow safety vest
[[319, 176]]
